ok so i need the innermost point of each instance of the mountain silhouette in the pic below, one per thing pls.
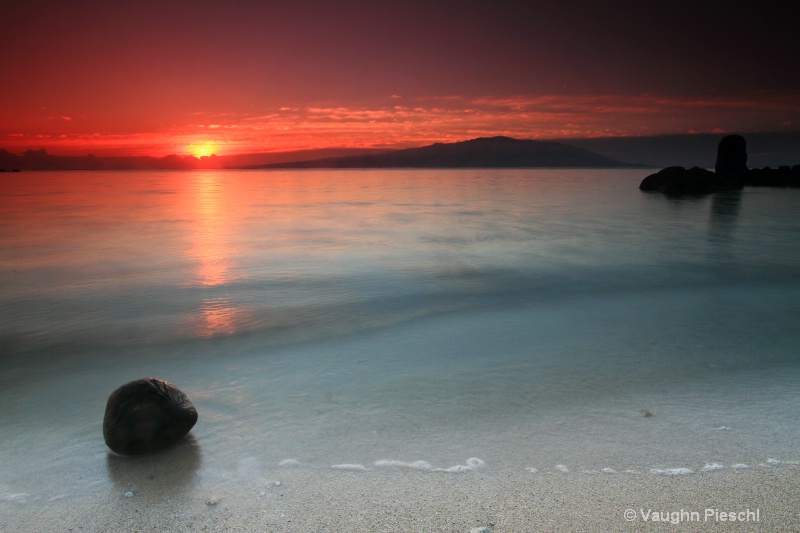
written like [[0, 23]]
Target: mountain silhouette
[[484, 152]]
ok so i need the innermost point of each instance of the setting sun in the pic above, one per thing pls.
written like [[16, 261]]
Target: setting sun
[[203, 149]]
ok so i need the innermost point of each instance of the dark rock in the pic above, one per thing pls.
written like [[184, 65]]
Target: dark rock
[[731, 165], [147, 415], [731, 156], [730, 173], [774, 177], [678, 180]]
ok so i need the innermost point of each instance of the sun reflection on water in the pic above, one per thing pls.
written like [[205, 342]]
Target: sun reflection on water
[[216, 315], [210, 248]]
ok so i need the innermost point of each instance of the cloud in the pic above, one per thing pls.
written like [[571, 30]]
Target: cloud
[[423, 120]]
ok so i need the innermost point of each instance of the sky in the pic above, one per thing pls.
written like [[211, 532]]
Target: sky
[[237, 76]]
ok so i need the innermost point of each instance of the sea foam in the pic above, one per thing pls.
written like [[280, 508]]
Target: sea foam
[[473, 464], [350, 466], [672, 471]]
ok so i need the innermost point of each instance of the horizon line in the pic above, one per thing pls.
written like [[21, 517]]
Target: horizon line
[[565, 140]]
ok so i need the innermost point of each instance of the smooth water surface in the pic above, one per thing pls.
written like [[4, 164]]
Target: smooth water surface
[[525, 317]]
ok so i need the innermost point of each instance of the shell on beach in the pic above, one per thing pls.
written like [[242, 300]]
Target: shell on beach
[[147, 415]]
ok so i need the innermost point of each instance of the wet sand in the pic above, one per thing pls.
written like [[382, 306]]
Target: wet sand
[[302, 498]]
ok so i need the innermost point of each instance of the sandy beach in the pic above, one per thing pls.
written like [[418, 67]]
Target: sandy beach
[[301, 498]]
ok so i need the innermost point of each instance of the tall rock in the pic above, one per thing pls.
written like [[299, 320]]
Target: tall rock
[[731, 165]]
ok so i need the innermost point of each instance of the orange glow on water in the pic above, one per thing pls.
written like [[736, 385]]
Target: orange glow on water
[[211, 231], [217, 316]]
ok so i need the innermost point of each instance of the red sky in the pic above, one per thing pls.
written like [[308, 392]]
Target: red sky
[[161, 77]]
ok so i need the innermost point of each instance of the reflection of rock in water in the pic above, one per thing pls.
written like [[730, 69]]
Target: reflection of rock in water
[[725, 207], [165, 471], [722, 224], [147, 415]]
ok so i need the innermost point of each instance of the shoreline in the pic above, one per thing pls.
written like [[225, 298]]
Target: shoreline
[[312, 499], [322, 405]]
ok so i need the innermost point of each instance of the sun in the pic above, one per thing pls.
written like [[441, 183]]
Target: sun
[[203, 149]]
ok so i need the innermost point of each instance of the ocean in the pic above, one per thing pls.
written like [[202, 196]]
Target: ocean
[[528, 320]]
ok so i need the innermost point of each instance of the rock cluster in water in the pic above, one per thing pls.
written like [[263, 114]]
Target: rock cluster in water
[[679, 180], [147, 415], [730, 173]]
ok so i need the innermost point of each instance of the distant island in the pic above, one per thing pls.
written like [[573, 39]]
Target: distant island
[[42, 160], [484, 152], [766, 149]]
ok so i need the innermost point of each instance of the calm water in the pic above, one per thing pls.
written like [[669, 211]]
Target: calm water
[[525, 317]]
